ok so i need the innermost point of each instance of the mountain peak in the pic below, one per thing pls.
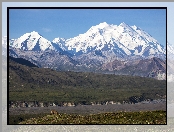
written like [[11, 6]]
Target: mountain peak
[[122, 40], [102, 25], [98, 27], [32, 41], [123, 24], [34, 33], [136, 28]]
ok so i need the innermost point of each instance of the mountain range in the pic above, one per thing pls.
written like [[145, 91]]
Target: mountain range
[[122, 40], [105, 48]]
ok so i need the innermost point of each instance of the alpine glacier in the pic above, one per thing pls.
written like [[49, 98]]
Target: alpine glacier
[[122, 40], [104, 48]]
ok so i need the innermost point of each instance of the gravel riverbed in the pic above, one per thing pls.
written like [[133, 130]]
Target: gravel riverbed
[[90, 109]]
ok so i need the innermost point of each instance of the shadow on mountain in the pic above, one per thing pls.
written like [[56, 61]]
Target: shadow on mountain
[[22, 61]]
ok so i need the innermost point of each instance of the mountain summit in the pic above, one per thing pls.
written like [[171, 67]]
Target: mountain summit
[[105, 48], [32, 41], [123, 40]]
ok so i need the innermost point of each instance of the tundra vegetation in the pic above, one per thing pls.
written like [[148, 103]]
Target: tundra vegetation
[[146, 117], [46, 85]]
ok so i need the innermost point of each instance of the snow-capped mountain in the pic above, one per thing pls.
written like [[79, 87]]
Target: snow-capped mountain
[[60, 42], [123, 40], [32, 41], [39, 51], [119, 41], [103, 48]]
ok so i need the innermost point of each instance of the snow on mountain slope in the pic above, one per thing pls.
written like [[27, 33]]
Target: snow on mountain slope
[[149, 40], [60, 42], [32, 41], [100, 45], [122, 39]]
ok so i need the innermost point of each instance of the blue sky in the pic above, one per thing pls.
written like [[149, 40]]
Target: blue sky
[[169, 5], [170, 20], [67, 23]]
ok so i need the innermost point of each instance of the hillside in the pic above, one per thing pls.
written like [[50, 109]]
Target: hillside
[[22, 61], [154, 67], [43, 84]]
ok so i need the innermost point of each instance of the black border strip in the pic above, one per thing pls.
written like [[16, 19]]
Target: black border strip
[[7, 66]]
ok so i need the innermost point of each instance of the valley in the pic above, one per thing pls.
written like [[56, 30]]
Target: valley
[[28, 83], [130, 111], [109, 68]]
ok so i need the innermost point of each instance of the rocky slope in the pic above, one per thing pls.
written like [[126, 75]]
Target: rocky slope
[[104, 47]]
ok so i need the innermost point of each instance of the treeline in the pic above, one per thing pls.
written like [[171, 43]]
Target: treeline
[[42, 84]]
